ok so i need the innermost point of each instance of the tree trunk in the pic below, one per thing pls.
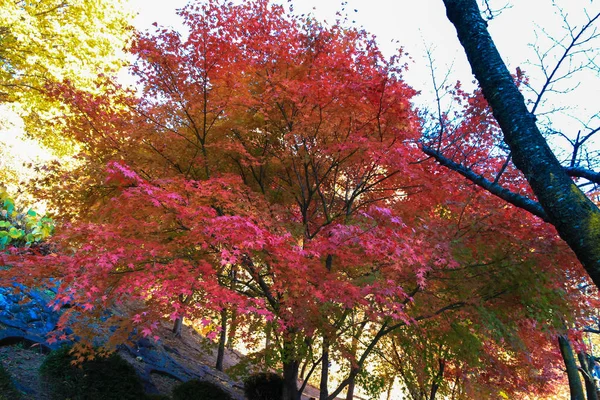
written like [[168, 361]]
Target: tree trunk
[[324, 391], [177, 326], [576, 218], [222, 340], [290, 380], [290, 369], [588, 379], [389, 391], [232, 330], [438, 378], [575, 386], [350, 392], [268, 343]]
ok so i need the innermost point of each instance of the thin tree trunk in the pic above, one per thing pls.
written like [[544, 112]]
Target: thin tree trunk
[[575, 387], [268, 343], [233, 324], [351, 386], [586, 371], [222, 339], [324, 391], [438, 378], [390, 386], [178, 326], [576, 218]]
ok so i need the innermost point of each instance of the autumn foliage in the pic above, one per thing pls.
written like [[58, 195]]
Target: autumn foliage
[[270, 167]]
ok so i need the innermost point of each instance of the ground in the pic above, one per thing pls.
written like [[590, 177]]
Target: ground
[[189, 351]]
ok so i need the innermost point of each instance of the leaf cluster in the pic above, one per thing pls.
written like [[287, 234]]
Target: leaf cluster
[[21, 228]]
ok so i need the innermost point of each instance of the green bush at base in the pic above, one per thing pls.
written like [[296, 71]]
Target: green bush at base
[[7, 388], [264, 386], [110, 378], [199, 390]]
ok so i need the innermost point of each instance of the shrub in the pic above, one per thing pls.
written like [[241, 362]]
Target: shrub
[[264, 386], [7, 388], [21, 228], [199, 390], [108, 378]]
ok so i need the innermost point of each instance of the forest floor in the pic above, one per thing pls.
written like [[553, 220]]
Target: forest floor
[[23, 362]]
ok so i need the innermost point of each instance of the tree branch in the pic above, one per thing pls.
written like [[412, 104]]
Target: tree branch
[[494, 188]]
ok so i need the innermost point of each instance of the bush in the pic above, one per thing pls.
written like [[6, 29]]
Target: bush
[[264, 386], [7, 388], [109, 378], [199, 390], [21, 228]]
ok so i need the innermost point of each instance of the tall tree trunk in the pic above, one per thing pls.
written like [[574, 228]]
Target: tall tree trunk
[[290, 370], [576, 218], [351, 386], [389, 390], [268, 333], [438, 378], [177, 326], [290, 380], [233, 324], [324, 391], [586, 371], [353, 351], [222, 340], [575, 386]]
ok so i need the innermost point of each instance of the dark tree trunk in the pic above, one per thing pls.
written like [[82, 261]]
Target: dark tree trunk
[[222, 340], [350, 392], [290, 370], [587, 365], [438, 378], [324, 391], [290, 380], [233, 324], [575, 386], [177, 326], [575, 217]]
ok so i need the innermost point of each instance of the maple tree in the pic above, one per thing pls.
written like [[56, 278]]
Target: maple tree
[[270, 168], [53, 40], [555, 196]]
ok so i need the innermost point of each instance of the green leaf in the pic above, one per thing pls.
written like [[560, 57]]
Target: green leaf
[[31, 213], [4, 224], [15, 233]]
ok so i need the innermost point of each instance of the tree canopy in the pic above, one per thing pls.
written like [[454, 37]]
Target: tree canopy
[[47, 41], [268, 174]]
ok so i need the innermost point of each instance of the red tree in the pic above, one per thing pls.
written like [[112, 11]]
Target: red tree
[[271, 167]]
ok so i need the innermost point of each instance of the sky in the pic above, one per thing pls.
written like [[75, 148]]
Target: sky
[[417, 25], [420, 25]]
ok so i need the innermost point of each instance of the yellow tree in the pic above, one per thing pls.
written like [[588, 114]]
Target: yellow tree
[[42, 41]]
